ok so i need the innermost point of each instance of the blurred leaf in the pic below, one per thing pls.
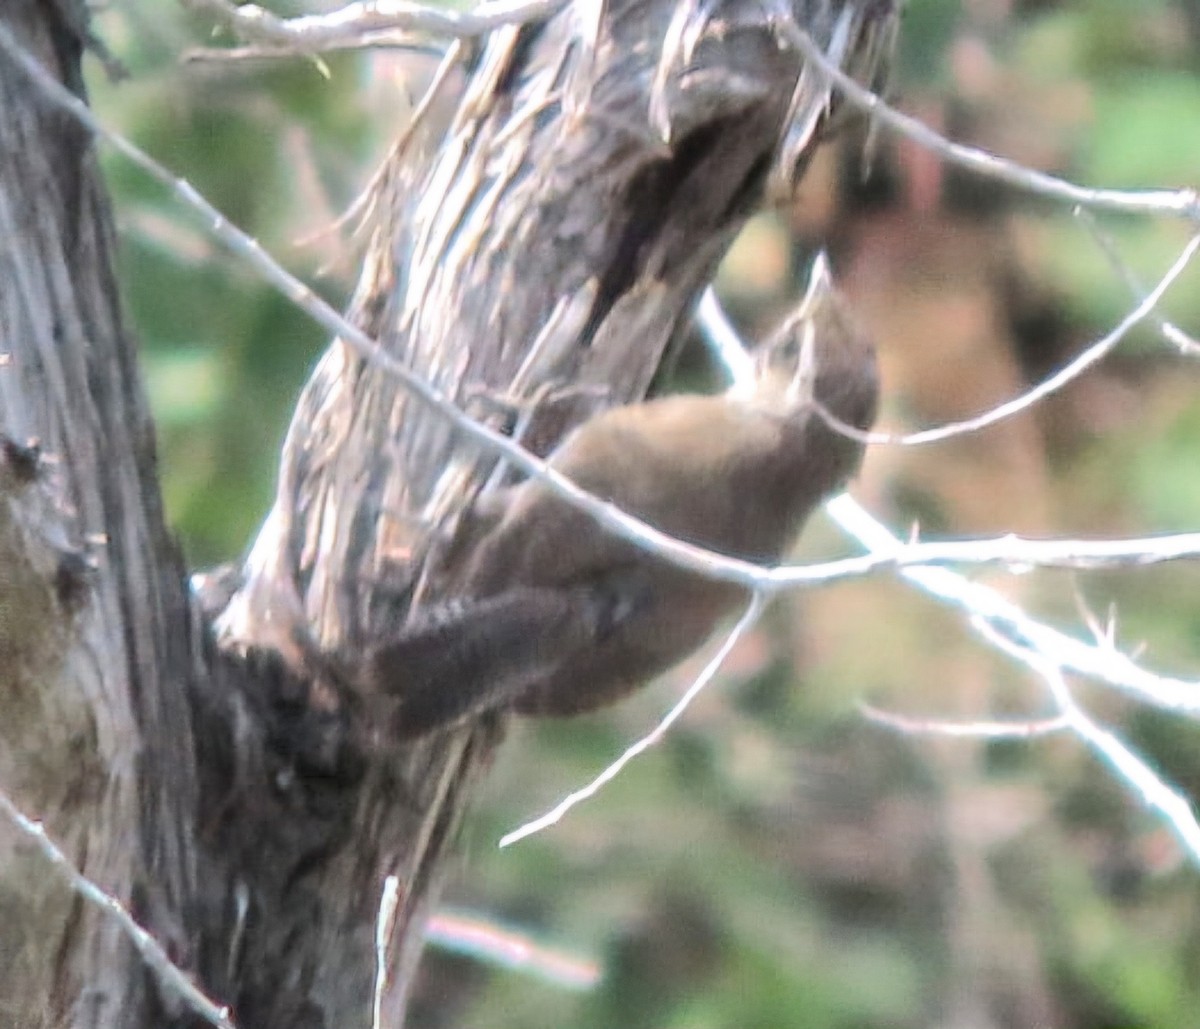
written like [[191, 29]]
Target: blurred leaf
[[1163, 474], [185, 383], [1144, 132]]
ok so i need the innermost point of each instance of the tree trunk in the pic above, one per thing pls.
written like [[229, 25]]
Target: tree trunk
[[96, 731], [557, 237]]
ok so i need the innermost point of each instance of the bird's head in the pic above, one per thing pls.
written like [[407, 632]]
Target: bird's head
[[818, 355]]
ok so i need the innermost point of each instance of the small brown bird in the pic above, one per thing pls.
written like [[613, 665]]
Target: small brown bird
[[566, 616]]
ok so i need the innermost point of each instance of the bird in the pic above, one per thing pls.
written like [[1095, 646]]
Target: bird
[[562, 615]]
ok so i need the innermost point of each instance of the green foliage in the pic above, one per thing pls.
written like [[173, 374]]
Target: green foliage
[[1137, 141]]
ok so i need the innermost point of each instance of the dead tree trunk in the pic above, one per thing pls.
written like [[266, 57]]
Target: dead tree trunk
[[556, 239]]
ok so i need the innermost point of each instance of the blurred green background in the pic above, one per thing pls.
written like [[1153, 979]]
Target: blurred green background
[[779, 862]]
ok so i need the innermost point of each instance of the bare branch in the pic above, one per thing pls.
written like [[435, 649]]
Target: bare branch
[[385, 922], [555, 815], [1016, 553], [169, 974], [1090, 356], [1157, 794], [1071, 370], [1185, 343], [369, 23], [1022, 729], [1183, 203], [411, 42], [723, 338], [1102, 663]]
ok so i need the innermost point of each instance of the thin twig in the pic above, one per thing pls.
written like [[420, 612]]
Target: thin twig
[[1072, 369], [1016, 553], [1181, 202], [730, 350], [152, 952], [1185, 343], [555, 814], [385, 922], [1021, 729], [409, 42], [1090, 356], [346, 26], [1129, 766], [1104, 664]]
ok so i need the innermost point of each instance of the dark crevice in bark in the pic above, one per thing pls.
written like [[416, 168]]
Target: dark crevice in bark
[[645, 207]]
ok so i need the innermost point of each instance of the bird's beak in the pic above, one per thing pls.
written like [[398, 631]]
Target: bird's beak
[[800, 388], [820, 283], [804, 323], [790, 355]]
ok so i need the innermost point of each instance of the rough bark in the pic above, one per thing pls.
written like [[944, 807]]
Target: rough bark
[[95, 738], [554, 240]]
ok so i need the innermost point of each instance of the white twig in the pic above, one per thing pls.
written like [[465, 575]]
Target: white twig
[[385, 921], [1016, 553], [1091, 355], [410, 42], [1102, 663], [1182, 341], [169, 974], [365, 23], [1073, 369], [555, 814], [1182, 202], [1156, 793], [724, 338], [1021, 729]]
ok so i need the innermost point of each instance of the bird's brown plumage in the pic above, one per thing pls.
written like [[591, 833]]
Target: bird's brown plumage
[[566, 615]]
